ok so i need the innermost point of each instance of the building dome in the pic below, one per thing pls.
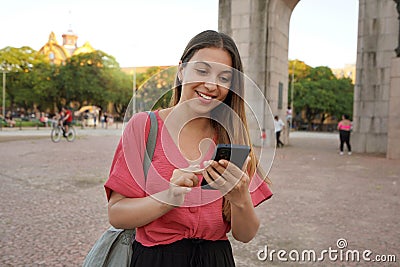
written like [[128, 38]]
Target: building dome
[[54, 52]]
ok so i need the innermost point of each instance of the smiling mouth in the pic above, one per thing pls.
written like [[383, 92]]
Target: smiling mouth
[[205, 96]]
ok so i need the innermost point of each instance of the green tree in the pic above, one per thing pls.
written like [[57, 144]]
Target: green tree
[[119, 91], [320, 95], [84, 79], [94, 79], [19, 63], [155, 88], [298, 70]]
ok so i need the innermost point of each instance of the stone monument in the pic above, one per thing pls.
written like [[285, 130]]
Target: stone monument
[[261, 30]]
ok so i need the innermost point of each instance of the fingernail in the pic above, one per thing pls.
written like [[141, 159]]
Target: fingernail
[[223, 162]]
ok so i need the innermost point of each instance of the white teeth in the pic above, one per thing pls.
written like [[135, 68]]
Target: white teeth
[[205, 96]]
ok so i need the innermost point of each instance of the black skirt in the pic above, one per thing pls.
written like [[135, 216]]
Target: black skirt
[[184, 253]]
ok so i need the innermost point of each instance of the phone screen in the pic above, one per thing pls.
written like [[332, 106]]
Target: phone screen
[[237, 154]]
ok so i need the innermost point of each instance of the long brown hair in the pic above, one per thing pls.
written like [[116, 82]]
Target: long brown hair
[[234, 99]]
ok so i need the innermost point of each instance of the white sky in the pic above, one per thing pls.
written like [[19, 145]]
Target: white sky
[[155, 32], [324, 32]]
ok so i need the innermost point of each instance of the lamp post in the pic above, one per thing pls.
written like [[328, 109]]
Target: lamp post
[[292, 96], [4, 94]]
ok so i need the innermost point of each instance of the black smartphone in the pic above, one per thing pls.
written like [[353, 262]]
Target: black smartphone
[[237, 154]]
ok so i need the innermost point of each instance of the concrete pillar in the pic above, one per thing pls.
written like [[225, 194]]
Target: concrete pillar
[[260, 28], [393, 146], [377, 32]]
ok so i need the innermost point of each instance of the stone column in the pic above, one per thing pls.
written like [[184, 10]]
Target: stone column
[[398, 11], [261, 30], [377, 37], [393, 146]]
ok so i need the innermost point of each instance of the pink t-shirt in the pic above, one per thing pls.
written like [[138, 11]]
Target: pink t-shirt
[[200, 216], [344, 127]]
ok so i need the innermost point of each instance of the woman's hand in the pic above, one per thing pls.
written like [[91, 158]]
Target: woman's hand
[[234, 182], [180, 184], [230, 180]]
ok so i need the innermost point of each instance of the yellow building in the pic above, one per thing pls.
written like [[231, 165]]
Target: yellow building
[[58, 54]]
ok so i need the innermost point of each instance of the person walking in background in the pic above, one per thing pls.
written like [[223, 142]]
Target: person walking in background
[[344, 127], [106, 119], [289, 117], [95, 119], [279, 126], [263, 137]]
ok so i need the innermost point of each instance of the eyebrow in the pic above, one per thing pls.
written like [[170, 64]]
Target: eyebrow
[[208, 65]]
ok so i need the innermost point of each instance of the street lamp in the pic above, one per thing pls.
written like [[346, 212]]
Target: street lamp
[[292, 95], [4, 94], [5, 68]]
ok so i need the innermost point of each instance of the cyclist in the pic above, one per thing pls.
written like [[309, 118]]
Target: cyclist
[[66, 119]]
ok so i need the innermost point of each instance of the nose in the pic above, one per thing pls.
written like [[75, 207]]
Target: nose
[[210, 86]]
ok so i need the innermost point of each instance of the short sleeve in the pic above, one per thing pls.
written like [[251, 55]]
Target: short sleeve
[[126, 174], [259, 190], [120, 178]]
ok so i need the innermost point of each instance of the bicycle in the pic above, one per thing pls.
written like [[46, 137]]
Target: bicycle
[[59, 130]]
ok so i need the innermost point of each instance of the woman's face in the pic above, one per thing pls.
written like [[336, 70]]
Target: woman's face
[[206, 79]]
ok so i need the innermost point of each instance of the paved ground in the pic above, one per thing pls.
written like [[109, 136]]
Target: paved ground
[[53, 205]]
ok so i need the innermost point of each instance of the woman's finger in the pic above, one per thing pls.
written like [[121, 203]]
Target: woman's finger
[[184, 179], [232, 169], [213, 172]]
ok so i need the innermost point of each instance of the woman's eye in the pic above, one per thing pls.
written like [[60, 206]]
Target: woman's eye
[[201, 71], [225, 79]]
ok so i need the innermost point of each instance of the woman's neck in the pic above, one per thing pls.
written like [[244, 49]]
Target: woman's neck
[[193, 135], [184, 120]]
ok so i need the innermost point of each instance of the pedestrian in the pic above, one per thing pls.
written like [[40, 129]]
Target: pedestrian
[[10, 120], [344, 127], [102, 120], [289, 117], [95, 119], [279, 126], [178, 222], [263, 137], [106, 119]]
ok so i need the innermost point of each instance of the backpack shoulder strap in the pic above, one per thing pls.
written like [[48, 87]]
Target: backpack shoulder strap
[[150, 143]]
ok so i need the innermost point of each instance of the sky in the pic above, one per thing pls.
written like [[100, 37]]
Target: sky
[[324, 32], [155, 32]]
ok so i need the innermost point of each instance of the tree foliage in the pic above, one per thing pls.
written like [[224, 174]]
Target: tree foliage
[[318, 93], [33, 83], [155, 88]]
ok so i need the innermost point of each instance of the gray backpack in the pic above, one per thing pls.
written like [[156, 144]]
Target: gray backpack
[[114, 247]]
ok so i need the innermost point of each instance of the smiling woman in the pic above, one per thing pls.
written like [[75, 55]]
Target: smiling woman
[[179, 222], [207, 81]]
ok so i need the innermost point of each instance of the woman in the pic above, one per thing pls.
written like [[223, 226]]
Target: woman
[[178, 222], [344, 127]]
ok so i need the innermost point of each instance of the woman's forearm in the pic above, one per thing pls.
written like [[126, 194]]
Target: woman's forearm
[[129, 213], [244, 221]]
